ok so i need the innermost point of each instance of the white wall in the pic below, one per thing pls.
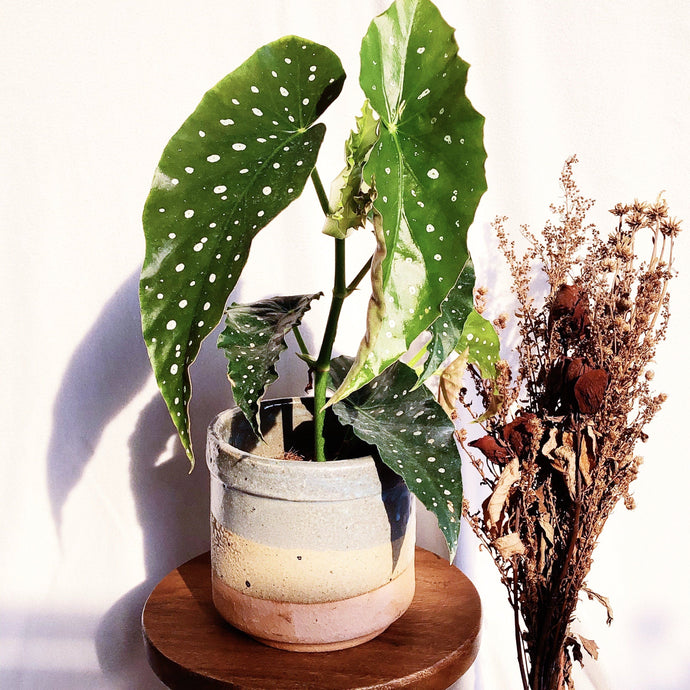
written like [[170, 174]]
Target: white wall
[[95, 502]]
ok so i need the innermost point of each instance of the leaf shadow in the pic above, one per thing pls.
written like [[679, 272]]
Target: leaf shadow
[[107, 369]]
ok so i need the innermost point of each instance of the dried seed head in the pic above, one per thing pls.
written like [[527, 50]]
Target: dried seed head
[[670, 227], [501, 321], [619, 210], [657, 210]]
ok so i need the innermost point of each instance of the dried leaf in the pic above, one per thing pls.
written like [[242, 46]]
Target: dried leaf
[[509, 545], [565, 462], [585, 463], [451, 383], [551, 443], [493, 407], [510, 474], [603, 601], [547, 528], [591, 647], [575, 648]]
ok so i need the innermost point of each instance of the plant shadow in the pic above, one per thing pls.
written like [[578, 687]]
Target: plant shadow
[[171, 502]]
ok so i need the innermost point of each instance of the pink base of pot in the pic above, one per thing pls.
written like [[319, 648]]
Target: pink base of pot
[[320, 627]]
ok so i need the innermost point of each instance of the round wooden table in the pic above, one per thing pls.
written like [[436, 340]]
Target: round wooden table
[[189, 645]]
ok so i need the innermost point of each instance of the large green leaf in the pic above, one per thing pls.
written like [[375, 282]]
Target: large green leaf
[[253, 340], [414, 438], [447, 329], [429, 171], [239, 159]]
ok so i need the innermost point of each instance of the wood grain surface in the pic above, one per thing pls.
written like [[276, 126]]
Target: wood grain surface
[[190, 646]]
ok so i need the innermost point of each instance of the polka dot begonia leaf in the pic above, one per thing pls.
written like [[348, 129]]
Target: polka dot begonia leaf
[[446, 331], [237, 161], [413, 436], [428, 167], [481, 341], [253, 340]]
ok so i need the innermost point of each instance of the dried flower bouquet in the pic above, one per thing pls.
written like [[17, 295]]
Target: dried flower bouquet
[[558, 446]]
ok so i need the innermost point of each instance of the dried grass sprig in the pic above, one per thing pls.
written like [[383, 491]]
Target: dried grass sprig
[[559, 454]]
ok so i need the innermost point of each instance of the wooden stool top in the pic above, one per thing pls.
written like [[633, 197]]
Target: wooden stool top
[[189, 645]]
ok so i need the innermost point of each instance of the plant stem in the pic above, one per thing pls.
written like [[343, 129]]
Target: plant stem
[[320, 192], [323, 361], [300, 341], [358, 278]]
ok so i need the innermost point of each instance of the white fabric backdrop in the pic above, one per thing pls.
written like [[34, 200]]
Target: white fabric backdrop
[[95, 501]]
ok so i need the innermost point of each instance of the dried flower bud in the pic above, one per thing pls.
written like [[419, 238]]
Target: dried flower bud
[[623, 245], [649, 374], [638, 460], [501, 321], [629, 502], [608, 264], [461, 435], [623, 304]]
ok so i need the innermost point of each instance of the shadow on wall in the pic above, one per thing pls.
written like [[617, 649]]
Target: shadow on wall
[[108, 369]]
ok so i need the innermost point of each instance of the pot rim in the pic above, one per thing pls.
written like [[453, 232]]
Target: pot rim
[[341, 479]]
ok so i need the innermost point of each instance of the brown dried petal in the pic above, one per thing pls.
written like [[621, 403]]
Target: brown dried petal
[[517, 433], [576, 367], [491, 449], [590, 389], [564, 301]]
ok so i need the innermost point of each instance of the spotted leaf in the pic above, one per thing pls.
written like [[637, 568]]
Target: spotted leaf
[[253, 340], [481, 341], [413, 435], [447, 329], [239, 159], [429, 170]]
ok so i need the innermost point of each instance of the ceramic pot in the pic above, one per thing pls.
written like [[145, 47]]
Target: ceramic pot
[[305, 556]]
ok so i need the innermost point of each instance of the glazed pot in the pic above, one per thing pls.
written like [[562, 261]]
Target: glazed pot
[[305, 556]]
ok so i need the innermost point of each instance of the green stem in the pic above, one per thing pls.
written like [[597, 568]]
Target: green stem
[[358, 278], [300, 341], [323, 361], [320, 192]]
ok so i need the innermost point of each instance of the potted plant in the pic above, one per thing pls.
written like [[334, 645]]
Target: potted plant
[[414, 171]]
